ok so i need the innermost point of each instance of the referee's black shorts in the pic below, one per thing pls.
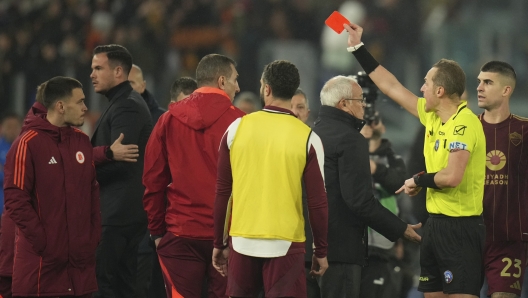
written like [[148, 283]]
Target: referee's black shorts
[[451, 255]]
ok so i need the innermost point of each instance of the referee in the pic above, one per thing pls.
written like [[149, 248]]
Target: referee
[[455, 156]]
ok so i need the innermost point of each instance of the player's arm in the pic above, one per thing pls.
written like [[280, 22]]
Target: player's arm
[[313, 177], [224, 186], [156, 178], [221, 214], [386, 81]]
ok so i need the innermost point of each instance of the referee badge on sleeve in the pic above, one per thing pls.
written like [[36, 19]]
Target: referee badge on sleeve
[[448, 276], [460, 130]]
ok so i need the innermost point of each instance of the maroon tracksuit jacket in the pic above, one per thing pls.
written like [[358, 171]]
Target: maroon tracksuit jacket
[[52, 195]]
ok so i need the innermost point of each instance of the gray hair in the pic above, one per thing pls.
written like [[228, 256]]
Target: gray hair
[[335, 89]]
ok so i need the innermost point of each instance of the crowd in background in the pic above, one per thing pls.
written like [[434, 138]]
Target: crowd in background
[[45, 38]]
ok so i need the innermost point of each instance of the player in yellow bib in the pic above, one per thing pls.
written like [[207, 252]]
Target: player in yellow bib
[[455, 155]]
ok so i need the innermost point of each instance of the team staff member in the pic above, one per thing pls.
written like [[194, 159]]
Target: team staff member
[[183, 168], [123, 218], [351, 203], [506, 185], [454, 148], [267, 223], [52, 195]]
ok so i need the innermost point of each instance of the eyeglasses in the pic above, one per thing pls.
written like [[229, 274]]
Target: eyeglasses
[[361, 100]]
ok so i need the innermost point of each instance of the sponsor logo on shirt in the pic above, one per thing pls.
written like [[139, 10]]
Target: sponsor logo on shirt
[[459, 130], [455, 146], [437, 144], [495, 160]]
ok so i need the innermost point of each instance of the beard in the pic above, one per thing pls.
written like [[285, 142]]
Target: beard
[[262, 103]]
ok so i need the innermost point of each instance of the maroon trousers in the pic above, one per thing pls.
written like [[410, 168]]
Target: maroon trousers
[[185, 264]]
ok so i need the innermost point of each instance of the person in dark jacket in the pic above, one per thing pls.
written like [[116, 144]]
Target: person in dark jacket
[[52, 196], [123, 218], [149, 276], [351, 204], [138, 83], [182, 225], [379, 279]]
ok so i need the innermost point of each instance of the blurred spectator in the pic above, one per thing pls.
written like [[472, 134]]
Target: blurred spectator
[[135, 77], [6, 65], [300, 105], [10, 126], [248, 102]]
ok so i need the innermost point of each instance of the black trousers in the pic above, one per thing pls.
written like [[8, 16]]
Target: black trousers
[[380, 280], [341, 280], [116, 265]]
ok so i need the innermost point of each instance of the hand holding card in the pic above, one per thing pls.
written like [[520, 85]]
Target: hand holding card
[[336, 22]]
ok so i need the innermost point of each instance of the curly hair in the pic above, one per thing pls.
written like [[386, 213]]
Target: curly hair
[[283, 78]]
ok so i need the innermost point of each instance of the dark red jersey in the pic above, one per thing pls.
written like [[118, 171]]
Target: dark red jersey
[[506, 183]]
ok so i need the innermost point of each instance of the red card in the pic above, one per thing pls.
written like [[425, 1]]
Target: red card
[[336, 21]]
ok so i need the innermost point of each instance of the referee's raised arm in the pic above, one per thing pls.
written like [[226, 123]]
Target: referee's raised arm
[[385, 80]]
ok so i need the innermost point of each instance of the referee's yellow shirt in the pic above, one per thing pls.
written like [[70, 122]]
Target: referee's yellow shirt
[[463, 131]]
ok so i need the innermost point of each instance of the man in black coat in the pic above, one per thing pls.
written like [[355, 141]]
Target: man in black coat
[[149, 277], [351, 204], [123, 217]]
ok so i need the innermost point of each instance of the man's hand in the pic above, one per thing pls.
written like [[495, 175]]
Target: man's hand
[[319, 266], [354, 34], [157, 241], [410, 233], [410, 188], [220, 257], [128, 153]]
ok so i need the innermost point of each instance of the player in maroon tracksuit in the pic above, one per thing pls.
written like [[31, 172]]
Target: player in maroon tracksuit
[[7, 237], [506, 183], [52, 195]]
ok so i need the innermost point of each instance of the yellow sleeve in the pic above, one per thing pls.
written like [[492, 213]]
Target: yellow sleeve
[[420, 106], [464, 134]]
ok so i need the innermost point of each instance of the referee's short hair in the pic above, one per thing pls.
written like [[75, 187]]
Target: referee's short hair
[[450, 75]]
